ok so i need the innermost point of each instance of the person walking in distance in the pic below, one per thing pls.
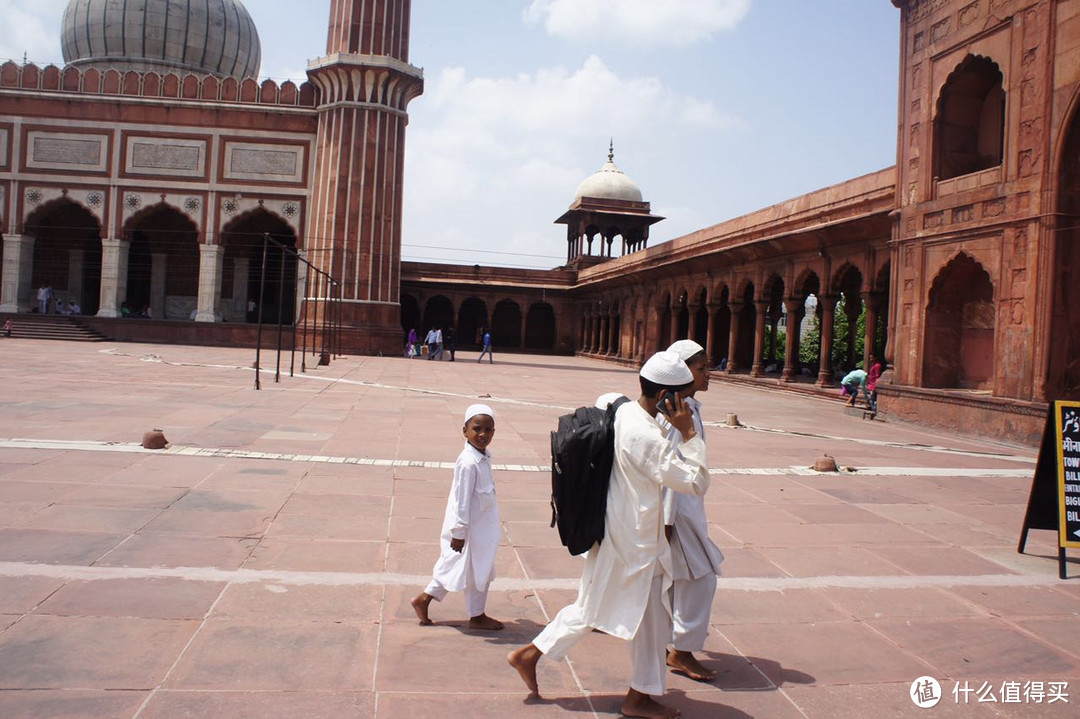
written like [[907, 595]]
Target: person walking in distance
[[628, 573], [487, 348], [695, 559]]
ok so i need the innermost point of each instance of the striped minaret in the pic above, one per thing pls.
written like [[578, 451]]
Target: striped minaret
[[365, 84]]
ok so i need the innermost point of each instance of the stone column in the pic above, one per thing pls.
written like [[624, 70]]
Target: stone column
[[674, 335], [114, 271], [828, 312], [16, 294], [791, 307], [757, 369], [733, 335], [210, 268], [613, 336], [75, 275], [692, 325], [159, 265], [605, 328], [241, 267], [872, 302], [301, 286], [710, 334]]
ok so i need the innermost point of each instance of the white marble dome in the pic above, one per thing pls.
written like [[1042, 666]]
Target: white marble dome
[[609, 183], [207, 36]]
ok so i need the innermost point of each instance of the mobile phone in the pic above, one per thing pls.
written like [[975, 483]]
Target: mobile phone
[[665, 405]]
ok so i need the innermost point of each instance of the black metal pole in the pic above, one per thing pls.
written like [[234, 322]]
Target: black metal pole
[[297, 304], [280, 310], [340, 316], [262, 296]]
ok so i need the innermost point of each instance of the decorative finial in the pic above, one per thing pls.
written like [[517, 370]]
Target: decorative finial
[[611, 151]]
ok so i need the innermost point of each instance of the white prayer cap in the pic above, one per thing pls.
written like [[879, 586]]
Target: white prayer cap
[[685, 349], [604, 400], [475, 409], [667, 369]]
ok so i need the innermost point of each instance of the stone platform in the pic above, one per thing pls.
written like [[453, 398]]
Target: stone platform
[[261, 566]]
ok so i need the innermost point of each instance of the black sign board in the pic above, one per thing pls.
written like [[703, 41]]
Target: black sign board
[[1054, 502]]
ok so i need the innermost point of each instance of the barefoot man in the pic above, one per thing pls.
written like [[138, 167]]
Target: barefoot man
[[627, 576]]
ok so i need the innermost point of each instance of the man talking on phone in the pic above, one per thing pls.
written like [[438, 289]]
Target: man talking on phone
[[628, 574]]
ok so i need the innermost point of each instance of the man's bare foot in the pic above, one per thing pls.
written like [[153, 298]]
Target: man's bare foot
[[420, 605], [483, 621], [644, 706], [686, 663], [525, 660]]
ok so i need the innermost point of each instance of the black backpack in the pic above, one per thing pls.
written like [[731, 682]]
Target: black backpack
[[582, 452]]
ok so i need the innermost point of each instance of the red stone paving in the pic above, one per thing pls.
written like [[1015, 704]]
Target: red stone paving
[[118, 598]]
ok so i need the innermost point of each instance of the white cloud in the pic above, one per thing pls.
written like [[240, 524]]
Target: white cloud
[[650, 22], [31, 27], [500, 157]]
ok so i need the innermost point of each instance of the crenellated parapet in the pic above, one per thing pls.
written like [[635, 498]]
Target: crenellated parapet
[[191, 87]]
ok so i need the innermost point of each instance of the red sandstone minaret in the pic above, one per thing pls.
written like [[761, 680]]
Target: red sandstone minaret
[[365, 84]]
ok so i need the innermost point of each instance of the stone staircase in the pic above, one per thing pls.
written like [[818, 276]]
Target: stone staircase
[[51, 327]]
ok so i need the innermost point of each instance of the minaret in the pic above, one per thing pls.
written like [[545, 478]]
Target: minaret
[[365, 84]]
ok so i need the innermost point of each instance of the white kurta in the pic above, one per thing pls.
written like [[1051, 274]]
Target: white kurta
[[693, 553], [473, 515], [618, 574]]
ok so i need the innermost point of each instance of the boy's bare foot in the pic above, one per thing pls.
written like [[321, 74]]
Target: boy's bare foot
[[525, 660], [420, 605], [687, 664], [644, 706], [483, 621]]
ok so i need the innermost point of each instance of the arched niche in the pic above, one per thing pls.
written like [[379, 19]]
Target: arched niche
[[958, 351]]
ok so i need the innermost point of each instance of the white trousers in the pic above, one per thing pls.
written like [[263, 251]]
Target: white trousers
[[647, 648], [475, 598], [691, 604]]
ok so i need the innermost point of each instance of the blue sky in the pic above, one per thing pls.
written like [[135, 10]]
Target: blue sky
[[717, 107]]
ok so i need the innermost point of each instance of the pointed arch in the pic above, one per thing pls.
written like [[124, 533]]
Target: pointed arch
[[958, 351]]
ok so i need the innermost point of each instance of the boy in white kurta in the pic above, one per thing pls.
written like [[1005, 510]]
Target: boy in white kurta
[[626, 578], [471, 530], [695, 559]]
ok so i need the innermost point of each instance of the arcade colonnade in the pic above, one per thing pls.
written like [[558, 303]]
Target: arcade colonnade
[[739, 320], [161, 265]]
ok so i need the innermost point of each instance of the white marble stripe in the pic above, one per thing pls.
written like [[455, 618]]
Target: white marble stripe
[[350, 579], [792, 471]]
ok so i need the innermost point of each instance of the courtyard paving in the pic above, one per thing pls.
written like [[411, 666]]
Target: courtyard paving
[[261, 566]]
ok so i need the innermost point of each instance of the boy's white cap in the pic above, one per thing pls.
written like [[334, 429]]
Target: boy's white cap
[[604, 400], [685, 349], [475, 409], [668, 369]]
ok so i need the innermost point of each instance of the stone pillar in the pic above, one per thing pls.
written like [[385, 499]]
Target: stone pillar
[[692, 325], [210, 268], [828, 312], [613, 336], [872, 302], [794, 326], [301, 286], [114, 271], [16, 293], [674, 334], [241, 268], [75, 275], [710, 335], [733, 335], [757, 369], [602, 340], [159, 265]]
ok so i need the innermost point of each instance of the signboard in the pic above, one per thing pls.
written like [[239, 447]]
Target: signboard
[[1067, 442], [1054, 502]]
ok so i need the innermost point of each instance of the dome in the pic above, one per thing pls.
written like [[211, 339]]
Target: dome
[[609, 183], [216, 37]]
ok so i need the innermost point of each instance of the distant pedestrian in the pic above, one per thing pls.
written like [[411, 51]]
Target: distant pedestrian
[[7, 327], [451, 341], [487, 348], [429, 340], [44, 294], [852, 382], [438, 343], [872, 378], [412, 344], [251, 307], [471, 530]]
